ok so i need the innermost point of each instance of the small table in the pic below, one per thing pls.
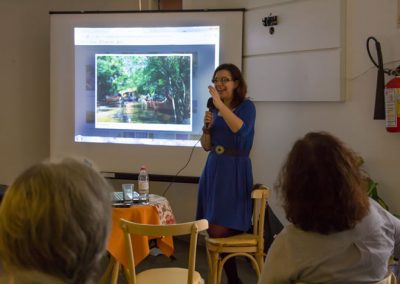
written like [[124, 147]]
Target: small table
[[158, 211]]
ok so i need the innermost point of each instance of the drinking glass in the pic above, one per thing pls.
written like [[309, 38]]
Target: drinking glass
[[127, 190]]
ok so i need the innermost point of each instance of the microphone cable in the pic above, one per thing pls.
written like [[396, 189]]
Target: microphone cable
[[187, 163]]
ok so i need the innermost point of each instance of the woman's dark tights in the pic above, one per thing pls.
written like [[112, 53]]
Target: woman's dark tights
[[216, 231]]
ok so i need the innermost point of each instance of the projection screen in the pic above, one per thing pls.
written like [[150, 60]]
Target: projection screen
[[130, 88]]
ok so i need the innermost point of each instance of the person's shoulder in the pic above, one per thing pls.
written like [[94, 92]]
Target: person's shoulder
[[247, 105], [248, 101], [378, 214], [294, 234], [287, 232], [291, 238], [377, 220]]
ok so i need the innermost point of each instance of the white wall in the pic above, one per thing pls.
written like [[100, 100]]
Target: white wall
[[24, 77], [297, 52], [24, 81], [279, 124]]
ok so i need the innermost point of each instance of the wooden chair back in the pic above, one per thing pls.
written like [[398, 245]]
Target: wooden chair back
[[260, 195], [189, 228]]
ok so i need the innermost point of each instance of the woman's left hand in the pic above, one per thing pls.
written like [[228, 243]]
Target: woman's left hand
[[216, 98], [233, 121]]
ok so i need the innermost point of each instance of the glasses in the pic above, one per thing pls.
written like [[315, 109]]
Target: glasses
[[222, 80]]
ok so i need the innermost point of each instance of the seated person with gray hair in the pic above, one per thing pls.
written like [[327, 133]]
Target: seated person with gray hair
[[54, 222]]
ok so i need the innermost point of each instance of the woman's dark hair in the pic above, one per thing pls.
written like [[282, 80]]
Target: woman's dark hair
[[322, 186], [240, 92]]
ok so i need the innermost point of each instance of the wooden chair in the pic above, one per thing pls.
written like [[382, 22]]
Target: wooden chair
[[219, 250], [390, 279], [172, 275]]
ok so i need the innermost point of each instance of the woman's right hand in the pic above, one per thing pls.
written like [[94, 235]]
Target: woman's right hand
[[206, 138], [208, 119]]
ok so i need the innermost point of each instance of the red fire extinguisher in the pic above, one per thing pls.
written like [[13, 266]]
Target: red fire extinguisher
[[392, 105], [387, 99]]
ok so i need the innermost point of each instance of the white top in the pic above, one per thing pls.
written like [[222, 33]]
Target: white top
[[359, 255]]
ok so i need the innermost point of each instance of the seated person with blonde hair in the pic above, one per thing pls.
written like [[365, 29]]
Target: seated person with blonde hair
[[337, 234], [54, 223]]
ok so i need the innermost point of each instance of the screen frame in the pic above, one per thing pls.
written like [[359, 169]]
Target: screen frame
[[121, 158]]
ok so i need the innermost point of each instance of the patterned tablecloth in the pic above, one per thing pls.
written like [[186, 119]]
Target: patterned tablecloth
[[163, 208], [158, 211]]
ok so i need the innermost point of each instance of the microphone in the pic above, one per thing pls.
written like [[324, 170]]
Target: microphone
[[210, 106]]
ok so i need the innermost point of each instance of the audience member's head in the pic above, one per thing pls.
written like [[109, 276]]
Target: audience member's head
[[55, 219], [321, 184]]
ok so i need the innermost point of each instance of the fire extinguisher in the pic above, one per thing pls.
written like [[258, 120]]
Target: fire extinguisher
[[387, 99], [392, 105]]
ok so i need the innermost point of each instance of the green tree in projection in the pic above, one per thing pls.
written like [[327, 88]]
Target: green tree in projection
[[169, 78], [110, 75], [132, 66]]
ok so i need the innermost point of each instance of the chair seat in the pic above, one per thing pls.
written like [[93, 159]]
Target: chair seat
[[241, 240], [173, 275]]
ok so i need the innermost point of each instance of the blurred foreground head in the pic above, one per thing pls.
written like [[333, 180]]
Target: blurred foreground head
[[55, 219], [322, 186]]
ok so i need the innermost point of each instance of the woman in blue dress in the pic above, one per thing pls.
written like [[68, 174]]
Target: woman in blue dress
[[224, 196]]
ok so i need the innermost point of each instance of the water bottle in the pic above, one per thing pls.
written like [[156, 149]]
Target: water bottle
[[143, 185]]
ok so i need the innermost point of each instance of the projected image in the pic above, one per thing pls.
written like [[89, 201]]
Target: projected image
[[144, 91], [143, 85]]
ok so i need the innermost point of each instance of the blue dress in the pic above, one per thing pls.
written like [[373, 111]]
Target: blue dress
[[224, 196]]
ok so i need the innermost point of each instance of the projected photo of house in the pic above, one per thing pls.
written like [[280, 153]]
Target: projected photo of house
[[144, 91]]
